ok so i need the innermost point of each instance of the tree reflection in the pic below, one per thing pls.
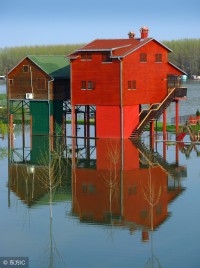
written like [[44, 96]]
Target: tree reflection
[[111, 177], [51, 173], [151, 194]]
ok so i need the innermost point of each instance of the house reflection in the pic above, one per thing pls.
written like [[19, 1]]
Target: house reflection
[[109, 181], [34, 172], [130, 186]]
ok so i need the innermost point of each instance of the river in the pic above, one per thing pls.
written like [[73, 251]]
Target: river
[[100, 203]]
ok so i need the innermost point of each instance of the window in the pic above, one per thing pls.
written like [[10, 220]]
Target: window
[[131, 84], [86, 56], [106, 57], [143, 57], [87, 85], [25, 68], [83, 56], [41, 83], [89, 56], [11, 81], [158, 57], [83, 84], [90, 85]]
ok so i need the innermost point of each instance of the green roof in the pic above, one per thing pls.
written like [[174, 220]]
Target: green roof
[[55, 66]]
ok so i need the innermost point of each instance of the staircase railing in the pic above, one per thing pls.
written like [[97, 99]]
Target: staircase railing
[[152, 113]]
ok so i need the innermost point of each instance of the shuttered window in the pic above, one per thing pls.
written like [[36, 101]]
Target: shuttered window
[[86, 56], [87, 85], [11, 81], [41, 83], [158, 57], [143, 57], [131, 84], [106, 57], [25, 68], [83, 84]]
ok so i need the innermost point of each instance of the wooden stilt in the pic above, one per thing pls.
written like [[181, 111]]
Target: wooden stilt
[[177, 153], [11, 127], [85, 122], [152, 137], [51, 132], [164, 123], [73, 122], [23, 128], [88, 121], [76, 124], [31, 127], [177, 116]]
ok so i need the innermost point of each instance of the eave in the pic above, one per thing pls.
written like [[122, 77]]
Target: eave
[[173, 65]]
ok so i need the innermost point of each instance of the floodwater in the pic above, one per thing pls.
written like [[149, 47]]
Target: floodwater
[[100, 203]]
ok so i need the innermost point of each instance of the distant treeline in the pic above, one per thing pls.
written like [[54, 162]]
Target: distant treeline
[[186, 54], [11, 56]]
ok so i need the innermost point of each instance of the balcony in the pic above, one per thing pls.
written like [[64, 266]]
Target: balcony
[[180, 93]]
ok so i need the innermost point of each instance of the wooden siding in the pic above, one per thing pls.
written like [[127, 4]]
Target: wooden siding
[[27, 82], [150, 78], [106, 77]]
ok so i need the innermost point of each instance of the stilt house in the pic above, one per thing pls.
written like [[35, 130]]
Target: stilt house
[[118, 77], [42, 83]]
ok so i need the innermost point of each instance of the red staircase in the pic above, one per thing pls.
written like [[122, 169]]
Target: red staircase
[[153, 113]]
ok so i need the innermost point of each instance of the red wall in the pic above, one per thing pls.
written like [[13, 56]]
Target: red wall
[[131, 119], [108, 122], [106, 77]]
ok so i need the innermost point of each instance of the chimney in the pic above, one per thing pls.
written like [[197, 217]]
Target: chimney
[[131, 35], [144, 32]]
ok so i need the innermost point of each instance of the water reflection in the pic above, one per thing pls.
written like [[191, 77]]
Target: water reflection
[[39, 175], [111, 181], [114, 183], [130, 188]]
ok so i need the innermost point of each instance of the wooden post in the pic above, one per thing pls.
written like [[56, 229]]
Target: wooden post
[[51, 132], [177, 153], [64, 132], [95, 127], [88, 120], [64, 124], [152, 135], [76, 124], [73, 123], [31, 129], [11, 127], [23, 128], [85, 122], [177, 116], [164, 123]]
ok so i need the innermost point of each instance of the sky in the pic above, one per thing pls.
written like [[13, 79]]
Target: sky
[[49, 22]]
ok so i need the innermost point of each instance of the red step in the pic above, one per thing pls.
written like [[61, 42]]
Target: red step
[[181, 136]]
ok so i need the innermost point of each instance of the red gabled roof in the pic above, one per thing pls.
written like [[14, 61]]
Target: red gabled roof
[[118, 47]]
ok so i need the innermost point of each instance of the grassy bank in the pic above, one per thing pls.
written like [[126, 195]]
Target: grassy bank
[[172, 128]]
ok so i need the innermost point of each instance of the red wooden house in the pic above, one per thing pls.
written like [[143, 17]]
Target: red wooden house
[[118, 76], [135, 194]]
